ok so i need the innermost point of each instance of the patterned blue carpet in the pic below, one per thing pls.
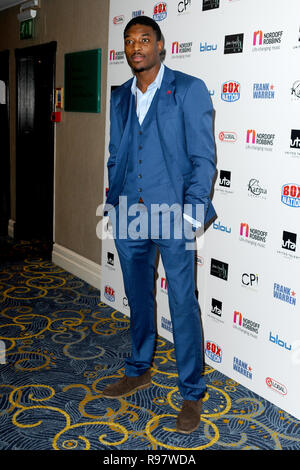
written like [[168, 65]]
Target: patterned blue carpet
[[63, 346]]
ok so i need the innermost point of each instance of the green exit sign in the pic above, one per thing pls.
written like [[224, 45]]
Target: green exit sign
[[26, 29]]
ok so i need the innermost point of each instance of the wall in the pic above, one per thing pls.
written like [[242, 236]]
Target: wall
[[247, 52], [79, 146]]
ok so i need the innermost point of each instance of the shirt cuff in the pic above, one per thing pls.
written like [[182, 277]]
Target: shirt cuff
[[192, 221]]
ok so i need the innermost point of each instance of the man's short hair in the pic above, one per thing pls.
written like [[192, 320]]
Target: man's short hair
[[147, 21]]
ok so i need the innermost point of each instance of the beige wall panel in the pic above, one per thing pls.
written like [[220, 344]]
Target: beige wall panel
[[80, 137]]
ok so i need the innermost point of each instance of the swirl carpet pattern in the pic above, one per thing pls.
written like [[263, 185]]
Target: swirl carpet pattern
[[62, 346]]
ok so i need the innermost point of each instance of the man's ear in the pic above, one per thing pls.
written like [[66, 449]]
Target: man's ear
[[160, 46]]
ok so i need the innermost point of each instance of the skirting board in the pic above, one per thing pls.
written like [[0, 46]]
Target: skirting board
[[81, 267]]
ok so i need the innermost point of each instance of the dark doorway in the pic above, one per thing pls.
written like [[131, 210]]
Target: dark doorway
[[35, 67], [4, 149]]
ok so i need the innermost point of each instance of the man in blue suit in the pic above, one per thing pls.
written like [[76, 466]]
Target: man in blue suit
[[161, 156]]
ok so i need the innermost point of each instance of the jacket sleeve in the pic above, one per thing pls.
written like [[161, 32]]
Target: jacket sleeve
[[198, 115], [114, 142], [113, 147]]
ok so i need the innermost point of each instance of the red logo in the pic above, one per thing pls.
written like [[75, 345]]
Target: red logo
[[226, 136], [118, 19], [276, 386], [163, 283], [109, 293], [160, 8], [230, 91], [160, 11], [213, 351]]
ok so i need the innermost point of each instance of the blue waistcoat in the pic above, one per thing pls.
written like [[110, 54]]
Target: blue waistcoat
[[147, 175]]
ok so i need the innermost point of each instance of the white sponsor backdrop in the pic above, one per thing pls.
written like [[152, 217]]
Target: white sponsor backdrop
[[248, 266]]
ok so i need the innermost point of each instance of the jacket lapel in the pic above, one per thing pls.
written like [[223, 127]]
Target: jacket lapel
[[125, 111], [123, 103], [167, 106], [166, 93]]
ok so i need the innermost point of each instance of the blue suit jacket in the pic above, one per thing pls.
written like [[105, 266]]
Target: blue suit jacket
[[184, 117]]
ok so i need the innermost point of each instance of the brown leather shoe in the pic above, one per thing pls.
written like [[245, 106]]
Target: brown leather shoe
[[127, 385], [188, 420]]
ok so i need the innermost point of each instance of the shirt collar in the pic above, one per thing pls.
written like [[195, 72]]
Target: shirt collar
[[155, 84]]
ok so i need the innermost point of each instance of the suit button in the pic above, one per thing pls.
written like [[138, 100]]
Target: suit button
[[139, 176], [140, 147], [139, 190], [140, 161], [140, 132]]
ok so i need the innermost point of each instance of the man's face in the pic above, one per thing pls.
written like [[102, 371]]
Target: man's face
[[142, 48]]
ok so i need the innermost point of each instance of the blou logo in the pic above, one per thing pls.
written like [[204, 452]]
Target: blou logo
[[222, 228], [279, 342], [207, 47]]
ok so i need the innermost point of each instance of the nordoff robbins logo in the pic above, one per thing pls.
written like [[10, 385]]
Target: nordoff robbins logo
[[276, 386]]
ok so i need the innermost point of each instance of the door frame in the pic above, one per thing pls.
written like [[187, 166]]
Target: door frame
[[51, 48], [5, 56]]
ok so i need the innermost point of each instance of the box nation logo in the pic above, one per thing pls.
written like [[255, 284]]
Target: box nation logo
[[160, 11], [213, 351], [109, 293], [230, 91], [290, 194]]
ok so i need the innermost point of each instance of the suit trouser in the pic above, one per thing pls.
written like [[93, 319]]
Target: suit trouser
[[137, 259]]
